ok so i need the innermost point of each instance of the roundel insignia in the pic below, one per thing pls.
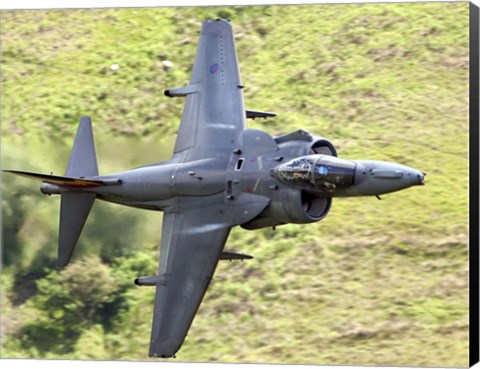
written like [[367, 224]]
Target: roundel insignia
[[213, 68]]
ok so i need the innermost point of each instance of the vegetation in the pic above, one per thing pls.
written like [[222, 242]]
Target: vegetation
[[369, 285]]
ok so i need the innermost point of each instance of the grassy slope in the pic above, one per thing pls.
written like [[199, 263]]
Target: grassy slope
[[373, 282]]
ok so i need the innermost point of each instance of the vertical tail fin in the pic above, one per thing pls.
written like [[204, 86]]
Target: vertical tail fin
[[83, 158], [75, 206]]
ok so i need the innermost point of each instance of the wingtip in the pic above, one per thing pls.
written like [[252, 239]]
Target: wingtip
[[86, 118], [157, 356], [218, 25], [60, 265], [210, 20], [62, 259], [163, 349]]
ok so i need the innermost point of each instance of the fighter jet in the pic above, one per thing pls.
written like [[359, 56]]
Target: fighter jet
[[221, 175]]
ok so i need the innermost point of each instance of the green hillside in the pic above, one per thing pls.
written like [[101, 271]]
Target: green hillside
[[375, 283]]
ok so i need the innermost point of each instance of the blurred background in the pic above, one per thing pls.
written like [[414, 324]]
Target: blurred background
[[375, 283]]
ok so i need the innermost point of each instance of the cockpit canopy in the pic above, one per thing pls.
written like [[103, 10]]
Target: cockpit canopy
[[317, 173]]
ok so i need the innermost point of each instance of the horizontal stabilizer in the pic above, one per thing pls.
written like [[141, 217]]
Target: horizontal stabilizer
[[252, 114], [234, 256], [64, 181]]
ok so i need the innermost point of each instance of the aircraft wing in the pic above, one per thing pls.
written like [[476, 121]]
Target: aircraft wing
[[214, 112], [193, 237]]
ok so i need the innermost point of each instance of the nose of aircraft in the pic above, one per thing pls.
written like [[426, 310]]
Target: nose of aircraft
[[421, 178], [380, 177], [411, 176]]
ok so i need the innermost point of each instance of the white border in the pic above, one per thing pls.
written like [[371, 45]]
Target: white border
[[71, 4], [49, 4]]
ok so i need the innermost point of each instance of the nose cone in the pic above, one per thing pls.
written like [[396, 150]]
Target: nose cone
[[420, 178], [408, 176], [380, 177], [415, 177]]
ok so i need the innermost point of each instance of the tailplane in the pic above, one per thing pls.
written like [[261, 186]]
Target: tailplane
[[67, 183], [59, 180], [75, 188]]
